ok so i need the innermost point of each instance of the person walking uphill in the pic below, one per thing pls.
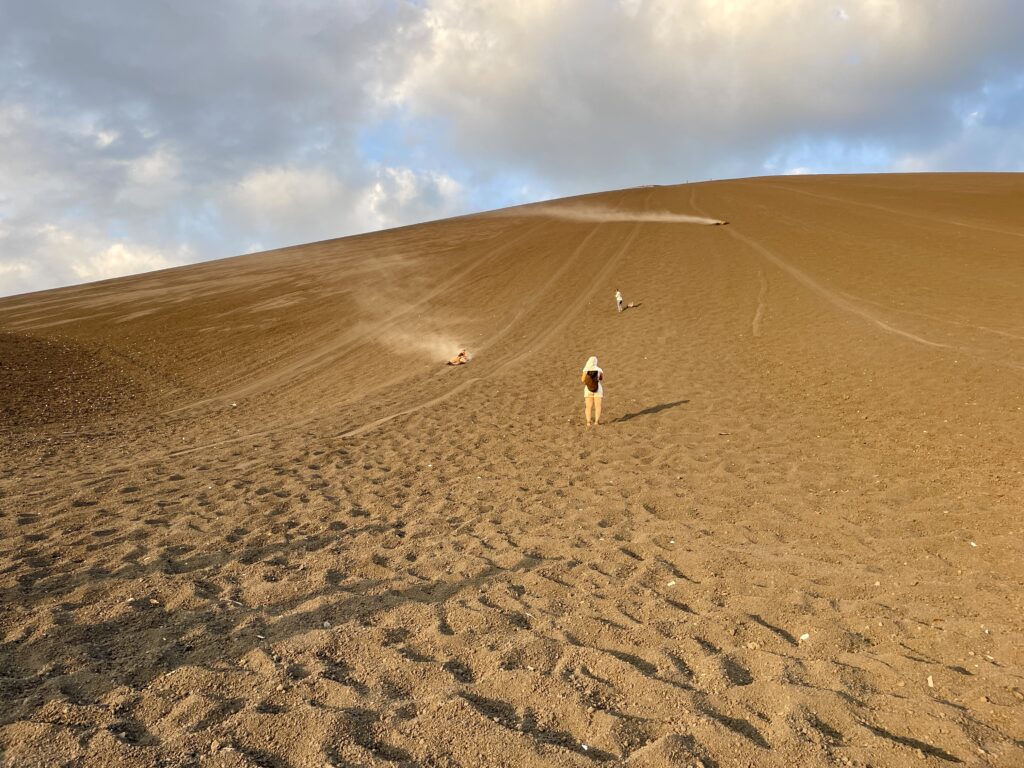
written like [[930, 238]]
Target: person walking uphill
[[593, 389]]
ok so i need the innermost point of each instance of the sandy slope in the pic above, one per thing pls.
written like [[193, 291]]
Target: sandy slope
[[248, 519]]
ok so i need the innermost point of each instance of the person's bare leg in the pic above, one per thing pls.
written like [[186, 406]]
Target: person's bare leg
[[589, 402], [597, 410]]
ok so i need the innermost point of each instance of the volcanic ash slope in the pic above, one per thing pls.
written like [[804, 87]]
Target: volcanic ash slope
[[250, 518]]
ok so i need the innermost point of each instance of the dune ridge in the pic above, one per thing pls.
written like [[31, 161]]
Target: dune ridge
[[250, 518]]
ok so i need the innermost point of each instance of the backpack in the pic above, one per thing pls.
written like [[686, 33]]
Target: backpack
[[592, 381]]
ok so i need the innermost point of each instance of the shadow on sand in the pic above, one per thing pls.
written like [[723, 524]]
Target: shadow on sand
[[651, 410]]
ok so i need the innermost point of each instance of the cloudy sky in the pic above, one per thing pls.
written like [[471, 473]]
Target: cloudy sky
[[140, 135]]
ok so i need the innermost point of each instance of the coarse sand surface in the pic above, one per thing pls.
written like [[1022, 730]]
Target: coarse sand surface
[[249, 517]]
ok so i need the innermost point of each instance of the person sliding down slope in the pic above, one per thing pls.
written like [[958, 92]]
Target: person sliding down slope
[[593, 390]]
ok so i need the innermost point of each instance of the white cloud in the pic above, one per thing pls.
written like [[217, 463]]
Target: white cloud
[[291, 202], [14, 270], [157, 167], [403, 196], [54, 255], [105, 138], [976, 148], [150, 181], [280, 206], [605, 94], [120, 259]]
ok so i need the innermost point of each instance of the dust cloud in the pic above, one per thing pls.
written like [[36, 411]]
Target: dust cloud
[[431, 345], [600, 214], [397, 314]]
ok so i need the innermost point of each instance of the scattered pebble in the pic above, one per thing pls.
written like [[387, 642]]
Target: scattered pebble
[[671, 584], [805, 636], [931, 683], [327, 625]]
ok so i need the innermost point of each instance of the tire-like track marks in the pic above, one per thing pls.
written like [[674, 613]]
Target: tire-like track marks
[[572, 310], [809, 282], [806, 280]]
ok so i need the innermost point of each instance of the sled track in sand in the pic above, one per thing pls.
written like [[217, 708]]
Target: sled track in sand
[[849, 303], [572, 310], [326, 354], [809, 282]]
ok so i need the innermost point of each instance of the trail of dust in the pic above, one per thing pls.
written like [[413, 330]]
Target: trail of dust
[[755, 325], [600, 214], [435, 347]]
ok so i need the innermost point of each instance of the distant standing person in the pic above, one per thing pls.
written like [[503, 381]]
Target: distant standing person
[[593, 390], [618, 299]]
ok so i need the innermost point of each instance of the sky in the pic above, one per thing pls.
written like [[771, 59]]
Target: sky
[[144, 135]]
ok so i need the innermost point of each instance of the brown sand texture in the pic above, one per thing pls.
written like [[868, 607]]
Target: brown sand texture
[[250, 518]]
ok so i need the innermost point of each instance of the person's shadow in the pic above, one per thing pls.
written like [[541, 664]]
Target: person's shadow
[[651, 410], [633, 305]]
